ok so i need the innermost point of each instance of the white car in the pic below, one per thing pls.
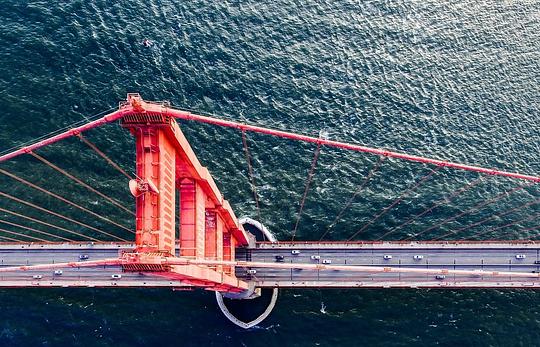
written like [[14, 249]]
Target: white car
[[58, 272], [251, 271], [387, 257], [521, 256], [315, 257], [37, 277], [327, 261], [116, 277], [295, 252], [418, 257]]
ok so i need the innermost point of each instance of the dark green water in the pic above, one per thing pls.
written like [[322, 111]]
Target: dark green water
[[450, 79]]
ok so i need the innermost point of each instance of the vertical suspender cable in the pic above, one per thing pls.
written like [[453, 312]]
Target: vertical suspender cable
[[397, 201], [34, 230], [65, 173], [252, 177], [488, 219], [475, 207], [61, 216], [358, 190], [534, 216], [308, 182], [103, 155], [45, 223], [445, 199], [15, 177], [23, 235], [10, 239]]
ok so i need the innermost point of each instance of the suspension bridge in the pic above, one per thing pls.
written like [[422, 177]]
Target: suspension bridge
[[186, 234]]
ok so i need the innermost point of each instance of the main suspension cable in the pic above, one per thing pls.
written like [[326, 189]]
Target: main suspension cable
[[251, 176], [103, 155], [47, 224], [358, 190], [23, 235], [60, 216], [455, 232], [65, 173], [43, 190], [34, 230], [397, 201], [57, 131], [330, 143], [445, 199], [475, 207], [308, 182]]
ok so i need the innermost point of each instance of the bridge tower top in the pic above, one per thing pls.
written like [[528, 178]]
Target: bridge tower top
[[167, 167]]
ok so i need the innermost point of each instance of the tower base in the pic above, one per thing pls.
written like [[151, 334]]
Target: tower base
[[249, 308]]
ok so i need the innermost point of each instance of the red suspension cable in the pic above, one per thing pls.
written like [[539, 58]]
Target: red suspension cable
[[46, 223], [360, 188], [437, 204], [111, 117], [397, 201], [308, 182], [67, 174], [23, 235], [488, 219], [34, 230], [509, 225], [11, 239], [251, 176], [69, 202], [103, 155], [60, 216], [475, 207], [343, 145]]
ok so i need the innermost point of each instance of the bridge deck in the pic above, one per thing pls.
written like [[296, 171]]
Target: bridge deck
[[30, 254], [436, 255], [490, 256]]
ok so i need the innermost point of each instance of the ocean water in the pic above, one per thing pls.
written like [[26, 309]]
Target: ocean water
[[456, 80]]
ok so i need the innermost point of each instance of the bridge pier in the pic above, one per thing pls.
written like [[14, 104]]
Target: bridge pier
[[234, 304]]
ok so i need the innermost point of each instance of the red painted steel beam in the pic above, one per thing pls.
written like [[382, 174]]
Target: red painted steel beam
[[344, 145], [351, 268], [111, 117]]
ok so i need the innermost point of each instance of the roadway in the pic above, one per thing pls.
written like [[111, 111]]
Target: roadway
[[489, 256], [29, 254]]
